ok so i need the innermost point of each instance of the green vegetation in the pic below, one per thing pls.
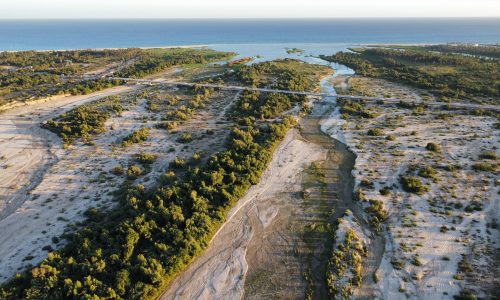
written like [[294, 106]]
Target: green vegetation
[[428, 172], [492, 155], [352, 108], [145, 158], [85, 120], [385, 191], [412, 184], [415, 260], [118, 170], [294, 50], [433, 147], [484, 166], [465, 295], [344, 266], [447, 75], [43, 74], [134, 172], [377, 214], [375, 132], [136, 137], [185, 138], [281, 74], [287, 74], [152, 61], [492, 51]]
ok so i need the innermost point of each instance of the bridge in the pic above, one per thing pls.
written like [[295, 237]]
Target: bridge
[[268, 90]]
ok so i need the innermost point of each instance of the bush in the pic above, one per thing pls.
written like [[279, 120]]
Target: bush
[[118, 170], [390, 137], [415, 260], [428, 172], [474, 206], [484, 166], [375, 132], [412, 184], [136, 137], [397, 263], [488, 155], [145, 158], [385, 191], [465, 295], [169, 177], [377, 213], [185, 138], [133, 172], [433, 147], [178, 163]]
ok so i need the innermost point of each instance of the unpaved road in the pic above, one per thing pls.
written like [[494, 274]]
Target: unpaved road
[[27, 150]]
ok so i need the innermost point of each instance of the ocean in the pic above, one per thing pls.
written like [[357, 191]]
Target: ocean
[[83, 34]]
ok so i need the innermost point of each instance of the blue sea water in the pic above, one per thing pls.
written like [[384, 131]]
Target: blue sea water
[[79, 34]]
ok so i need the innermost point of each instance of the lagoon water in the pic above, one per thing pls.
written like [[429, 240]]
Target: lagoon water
[[81, 34]]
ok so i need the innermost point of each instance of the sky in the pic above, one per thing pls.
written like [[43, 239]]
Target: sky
[[49, 9]]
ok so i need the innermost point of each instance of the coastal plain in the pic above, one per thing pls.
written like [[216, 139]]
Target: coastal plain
[[121, 189]]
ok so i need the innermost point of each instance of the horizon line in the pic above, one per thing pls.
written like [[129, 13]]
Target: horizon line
[[252, 18]]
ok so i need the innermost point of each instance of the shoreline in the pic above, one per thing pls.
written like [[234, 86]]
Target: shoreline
[[200, 46]]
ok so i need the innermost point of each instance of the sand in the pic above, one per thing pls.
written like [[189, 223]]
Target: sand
[[415, 221]]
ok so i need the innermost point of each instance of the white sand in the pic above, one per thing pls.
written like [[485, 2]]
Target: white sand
[[376, 163]]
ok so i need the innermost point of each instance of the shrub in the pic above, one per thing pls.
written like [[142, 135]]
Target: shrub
[[145, 158], [484, 166], [185, 138], [169, 177], [488, 155], [474, 206], [390, 137], [385, 191], [433, 147], [465, 295], [375, 132], [136, 137], [397, 263], [133, 172], [412, 184], [178, 163], [118, 170], [377, 213], [415, 260], [360, 195], [428, 172], [366, 183]]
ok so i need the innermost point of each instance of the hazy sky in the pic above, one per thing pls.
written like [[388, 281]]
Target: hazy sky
[[246, 8]]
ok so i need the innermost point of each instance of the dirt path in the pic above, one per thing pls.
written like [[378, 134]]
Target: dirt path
[[27, 150]]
